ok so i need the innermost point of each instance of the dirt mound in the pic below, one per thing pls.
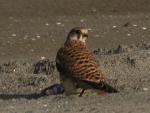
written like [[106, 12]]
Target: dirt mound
[[127, 70], [19, 76], [121, 66]]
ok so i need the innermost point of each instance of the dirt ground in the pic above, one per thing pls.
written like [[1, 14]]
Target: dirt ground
[[119, 36]]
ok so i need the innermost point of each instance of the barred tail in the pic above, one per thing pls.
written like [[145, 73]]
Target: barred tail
[[103, 86]]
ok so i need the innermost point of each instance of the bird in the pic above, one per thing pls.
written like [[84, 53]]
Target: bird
[[77, 66]]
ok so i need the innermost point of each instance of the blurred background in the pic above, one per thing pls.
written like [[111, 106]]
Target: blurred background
[[35, 28]]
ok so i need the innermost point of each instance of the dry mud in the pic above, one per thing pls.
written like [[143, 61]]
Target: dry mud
[[125, 67], [119, 36]]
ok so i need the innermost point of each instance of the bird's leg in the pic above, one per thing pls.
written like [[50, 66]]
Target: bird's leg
[[69, 86], [81, 93]]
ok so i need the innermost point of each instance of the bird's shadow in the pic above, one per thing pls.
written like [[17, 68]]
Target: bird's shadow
[[51, 90]]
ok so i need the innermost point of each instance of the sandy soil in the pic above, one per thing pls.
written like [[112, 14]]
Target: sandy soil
[[119, 38]]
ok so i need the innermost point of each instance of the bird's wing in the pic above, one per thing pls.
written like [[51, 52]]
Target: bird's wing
[[78, 64]]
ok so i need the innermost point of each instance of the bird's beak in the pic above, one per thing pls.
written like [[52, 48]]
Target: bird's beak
[[84, 31], [84, 35]]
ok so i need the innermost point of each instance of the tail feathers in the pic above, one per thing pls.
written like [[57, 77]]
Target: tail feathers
[[102, 86]]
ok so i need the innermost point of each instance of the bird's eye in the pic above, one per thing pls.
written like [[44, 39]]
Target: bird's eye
[[78, 31], [85, 35]]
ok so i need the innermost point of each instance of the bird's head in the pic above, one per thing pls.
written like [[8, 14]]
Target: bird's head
[[78, 34]]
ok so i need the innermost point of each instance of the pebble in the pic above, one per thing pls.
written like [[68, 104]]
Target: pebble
[[134, 25], [47, 110], [93, 10], [58, 23], [33, 39], [45, 105], [117, 31], [38, 36], [82, 20], [13, 34], [114, 26], [53, 40], [128, 34], [144, 28], [12, 107], [14, 70], [145, 89], [66, 102], [90, 29], [47, 24], [58, 106], [25, 37], [42, 57], [96, 35]]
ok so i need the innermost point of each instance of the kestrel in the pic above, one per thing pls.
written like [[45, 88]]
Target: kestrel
[[77, 66]]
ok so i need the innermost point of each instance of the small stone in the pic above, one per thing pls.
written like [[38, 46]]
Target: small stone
[[144, 28], [25, 37], [38, 36], [66, 102], [12, 107], [90, 29], [82, 20], [114, 26], [47, 110], [45, 105], [13, 35], [53, 40], [145, 89], [47, 24], [134, 25], [42, 58], [128, 34], [58, 106], [33, 39], [58, 23], [93, 10], [96, 35]]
